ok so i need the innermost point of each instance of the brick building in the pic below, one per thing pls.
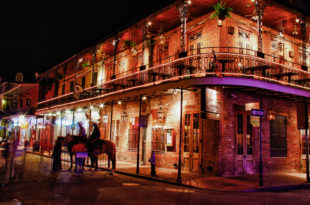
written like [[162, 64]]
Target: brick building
[[18, 103], [183, 85]]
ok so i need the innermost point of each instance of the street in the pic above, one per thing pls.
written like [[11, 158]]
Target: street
[[36, 185]]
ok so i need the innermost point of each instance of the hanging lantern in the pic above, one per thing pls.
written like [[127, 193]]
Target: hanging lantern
[[161, 40]]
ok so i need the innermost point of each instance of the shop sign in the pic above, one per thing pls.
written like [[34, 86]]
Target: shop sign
[[255, 121]]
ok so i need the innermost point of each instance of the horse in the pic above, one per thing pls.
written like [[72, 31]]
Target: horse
[[102, 146]]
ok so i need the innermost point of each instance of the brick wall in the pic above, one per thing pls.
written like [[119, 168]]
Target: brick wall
[[227, 148]]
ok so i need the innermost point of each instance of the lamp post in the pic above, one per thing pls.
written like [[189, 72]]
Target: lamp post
[[179, 179]]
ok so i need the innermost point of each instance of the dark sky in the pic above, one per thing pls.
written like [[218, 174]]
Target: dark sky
[[37, 35]]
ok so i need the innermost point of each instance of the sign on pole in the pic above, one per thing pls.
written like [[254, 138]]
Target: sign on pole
[[257, 112], [255, 121]]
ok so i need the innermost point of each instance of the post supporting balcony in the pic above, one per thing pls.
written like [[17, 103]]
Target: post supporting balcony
[[259, 8], [183, 10], [303, 26]]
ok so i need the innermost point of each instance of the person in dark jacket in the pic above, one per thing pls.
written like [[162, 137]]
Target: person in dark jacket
[[57, 154], [95, 134]]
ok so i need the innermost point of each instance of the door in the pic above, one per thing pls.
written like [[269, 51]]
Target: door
[[244, 41], [191, 142], [244, 144]]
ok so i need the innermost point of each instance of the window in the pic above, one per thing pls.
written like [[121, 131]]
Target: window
[[240, 134], [198, 47], [63, 89], [158, 139], [196, 133], [187, 129], [133, 133], [21, 103], [94, 80], [28, 101], [71, 86], [56, 88], [83, 82], [195, 36], [278, 137], [304, 149]]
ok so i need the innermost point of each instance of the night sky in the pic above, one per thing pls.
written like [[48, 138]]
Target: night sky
[[37, 35]]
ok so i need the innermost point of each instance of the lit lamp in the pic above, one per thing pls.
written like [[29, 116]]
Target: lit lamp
[[220, 22], [271, 115]]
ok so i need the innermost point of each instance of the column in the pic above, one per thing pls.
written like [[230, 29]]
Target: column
[[303, 25], [183, 10], [115, 45], [259, 8]]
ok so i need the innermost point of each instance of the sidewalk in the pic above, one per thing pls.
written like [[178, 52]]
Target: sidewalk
[[272, 182], [276, 181]]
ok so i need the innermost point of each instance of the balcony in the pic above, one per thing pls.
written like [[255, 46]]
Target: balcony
[[233, 62]]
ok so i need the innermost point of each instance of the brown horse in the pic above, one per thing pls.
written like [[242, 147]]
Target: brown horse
[[103, 146]]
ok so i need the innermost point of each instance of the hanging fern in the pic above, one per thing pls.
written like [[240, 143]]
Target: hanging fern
[[221, 11], [129, 44]]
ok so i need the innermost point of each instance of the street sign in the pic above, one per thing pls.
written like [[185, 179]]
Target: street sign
[[255, 121], [257, 112]]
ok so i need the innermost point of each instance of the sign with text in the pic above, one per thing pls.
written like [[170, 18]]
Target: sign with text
[[257, 112], [255, 121]]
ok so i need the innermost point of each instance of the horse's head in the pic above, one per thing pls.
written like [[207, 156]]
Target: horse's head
[[67, 139]]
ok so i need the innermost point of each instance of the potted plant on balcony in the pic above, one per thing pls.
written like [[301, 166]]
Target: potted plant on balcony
[[128, 44], [221, 12]]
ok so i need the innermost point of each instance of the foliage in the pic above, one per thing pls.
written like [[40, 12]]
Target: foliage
[[221, 11], [129, 44], [86, 64]]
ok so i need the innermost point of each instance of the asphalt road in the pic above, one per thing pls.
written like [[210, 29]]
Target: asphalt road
[[35, 184]]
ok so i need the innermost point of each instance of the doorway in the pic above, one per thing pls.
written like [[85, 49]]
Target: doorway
[[191, 142], [244, 144]]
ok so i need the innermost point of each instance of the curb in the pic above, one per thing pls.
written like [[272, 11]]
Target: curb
[[280, 188]]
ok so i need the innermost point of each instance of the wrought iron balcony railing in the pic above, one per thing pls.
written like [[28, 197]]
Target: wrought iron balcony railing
[[235, 62]]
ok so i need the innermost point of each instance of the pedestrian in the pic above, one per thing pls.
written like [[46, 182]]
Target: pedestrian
[[57, 154], [26, 144], [80, 156], [82, 132], [152, 160]]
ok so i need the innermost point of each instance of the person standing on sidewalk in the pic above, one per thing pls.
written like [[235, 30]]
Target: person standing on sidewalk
[[153, 163], [80, 156], [57, 154]]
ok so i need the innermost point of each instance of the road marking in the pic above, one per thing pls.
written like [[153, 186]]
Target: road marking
[[180, 190], [130, 184]]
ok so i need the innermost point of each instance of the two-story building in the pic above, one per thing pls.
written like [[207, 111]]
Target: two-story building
[[18, 103], [183, 84]]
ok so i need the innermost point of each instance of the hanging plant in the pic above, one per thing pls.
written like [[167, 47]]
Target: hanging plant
[[129, 44], [86, 64], [221, 11]]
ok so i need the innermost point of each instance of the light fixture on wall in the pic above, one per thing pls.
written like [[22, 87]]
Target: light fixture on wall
[[271, 114], [220, 22]]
